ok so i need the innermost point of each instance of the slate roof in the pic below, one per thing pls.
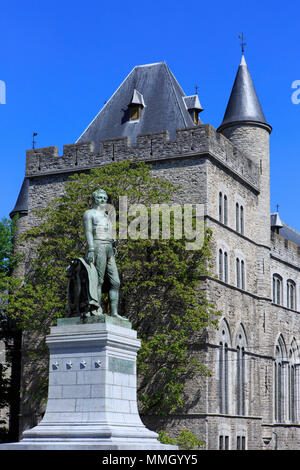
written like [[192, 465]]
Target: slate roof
[[192, 102], [243, 104], [275, 220], [21, 205], [164, 107], [290, 234]]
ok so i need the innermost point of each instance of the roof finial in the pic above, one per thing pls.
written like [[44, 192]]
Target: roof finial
[[196, 89], [277, 207], [241, 36]]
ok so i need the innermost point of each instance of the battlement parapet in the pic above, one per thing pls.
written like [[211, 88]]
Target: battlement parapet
[[191, 141], [285, 249]]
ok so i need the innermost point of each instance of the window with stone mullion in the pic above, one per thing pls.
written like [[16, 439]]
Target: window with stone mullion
[[290, 294], [240, 381], [223, 378], [278, 392], [292, 384]]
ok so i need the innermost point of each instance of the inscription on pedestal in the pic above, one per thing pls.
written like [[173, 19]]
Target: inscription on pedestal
[[122, 366]]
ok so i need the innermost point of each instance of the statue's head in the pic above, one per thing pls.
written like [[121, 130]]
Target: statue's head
[[99, 196]]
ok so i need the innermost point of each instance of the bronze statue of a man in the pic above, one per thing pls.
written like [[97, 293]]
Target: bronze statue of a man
[[100, 250]]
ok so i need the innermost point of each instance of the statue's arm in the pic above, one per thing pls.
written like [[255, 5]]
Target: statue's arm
[[88, 231]]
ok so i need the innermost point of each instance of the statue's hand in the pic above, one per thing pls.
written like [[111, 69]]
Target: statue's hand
[[91, 257]]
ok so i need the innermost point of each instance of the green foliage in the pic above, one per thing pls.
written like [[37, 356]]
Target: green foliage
[[160, 281], [186, 440], [8, 259], [7, 229]]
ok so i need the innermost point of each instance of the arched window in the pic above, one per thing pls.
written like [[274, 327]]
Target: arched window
[[277, 289], [221, 265], [237, 217], [242, 220], [223, 368], [225, 210], [220, 207], [242, 274], [293, 382], [291, 295], [223, 377], [280, 380], [240, 375], [238, 272], [225, 267]]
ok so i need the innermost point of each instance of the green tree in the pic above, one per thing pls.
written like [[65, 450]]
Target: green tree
[[160, 280], [186, 440]]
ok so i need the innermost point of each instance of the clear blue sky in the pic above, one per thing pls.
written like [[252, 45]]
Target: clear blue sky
[[61, 60]]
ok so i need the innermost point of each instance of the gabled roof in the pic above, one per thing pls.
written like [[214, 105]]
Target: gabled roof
[[21, 205], [243, 104], [164, 107], [275, 220], [137, 98], [192, 102]]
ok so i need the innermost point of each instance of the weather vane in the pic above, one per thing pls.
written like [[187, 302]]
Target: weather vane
[[196, 89], [33, 141], [241, 36]]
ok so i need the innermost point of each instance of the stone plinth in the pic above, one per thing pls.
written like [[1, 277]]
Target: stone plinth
[[92, 390]]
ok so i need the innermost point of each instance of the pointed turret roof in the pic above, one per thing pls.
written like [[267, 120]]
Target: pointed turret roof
[[157, 90], [21, 205], [243, 104]]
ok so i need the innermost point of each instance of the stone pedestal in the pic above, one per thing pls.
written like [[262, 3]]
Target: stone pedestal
[[92, 390]]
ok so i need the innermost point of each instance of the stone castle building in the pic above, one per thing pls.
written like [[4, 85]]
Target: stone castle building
[[251, 401]]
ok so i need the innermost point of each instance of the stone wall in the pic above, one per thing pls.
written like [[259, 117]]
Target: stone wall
[[202, 139], [5, 371], [286, 250]]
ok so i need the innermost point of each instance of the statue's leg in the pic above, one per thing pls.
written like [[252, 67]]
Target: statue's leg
[[113, 275], [100, 263]]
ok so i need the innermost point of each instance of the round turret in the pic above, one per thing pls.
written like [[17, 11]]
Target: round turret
[[244, 124]]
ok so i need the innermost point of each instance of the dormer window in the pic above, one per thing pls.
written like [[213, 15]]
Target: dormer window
[[276, 223], [135, 106], [194, 107]]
